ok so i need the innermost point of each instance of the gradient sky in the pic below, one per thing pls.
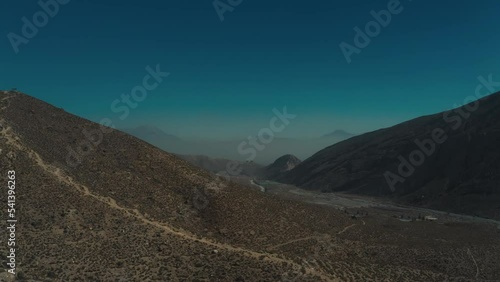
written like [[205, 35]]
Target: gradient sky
[[226, 77]]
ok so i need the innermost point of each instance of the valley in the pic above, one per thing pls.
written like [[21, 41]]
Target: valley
[[379, 207], [129, 212]]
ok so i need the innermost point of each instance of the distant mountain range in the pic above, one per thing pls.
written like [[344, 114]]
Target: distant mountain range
[[250, 169], [448, 161], [228, 149]]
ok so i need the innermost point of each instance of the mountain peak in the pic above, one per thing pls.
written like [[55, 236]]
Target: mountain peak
[[281, 165], [288, 158]]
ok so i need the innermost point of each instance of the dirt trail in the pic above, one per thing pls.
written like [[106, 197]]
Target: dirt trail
[[15, 141], [6, 98], [475, 263], [346, 228], [297, 240]]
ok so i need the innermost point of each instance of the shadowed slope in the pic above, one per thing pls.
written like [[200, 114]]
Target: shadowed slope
[[462, 174]]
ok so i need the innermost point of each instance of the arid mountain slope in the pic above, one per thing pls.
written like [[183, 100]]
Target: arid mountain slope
[[127, 208], [451, 161], [124, 210]]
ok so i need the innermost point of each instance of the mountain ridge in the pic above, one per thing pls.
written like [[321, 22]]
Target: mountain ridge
[[360, 164]]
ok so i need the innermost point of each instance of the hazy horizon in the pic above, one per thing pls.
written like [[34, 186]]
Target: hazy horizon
[[229, 148]]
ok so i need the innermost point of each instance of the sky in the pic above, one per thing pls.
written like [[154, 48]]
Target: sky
[[226, 77]]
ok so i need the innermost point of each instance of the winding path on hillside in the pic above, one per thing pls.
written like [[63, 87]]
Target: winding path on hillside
[[15, 141]]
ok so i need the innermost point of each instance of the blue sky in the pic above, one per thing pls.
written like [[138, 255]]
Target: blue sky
[[226, 77]]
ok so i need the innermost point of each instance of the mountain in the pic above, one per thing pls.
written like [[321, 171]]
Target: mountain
[[339, 134], [448, 161], [280, 166], [97, 204]]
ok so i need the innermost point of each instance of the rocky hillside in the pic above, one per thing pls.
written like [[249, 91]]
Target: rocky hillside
[[448, 161]]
